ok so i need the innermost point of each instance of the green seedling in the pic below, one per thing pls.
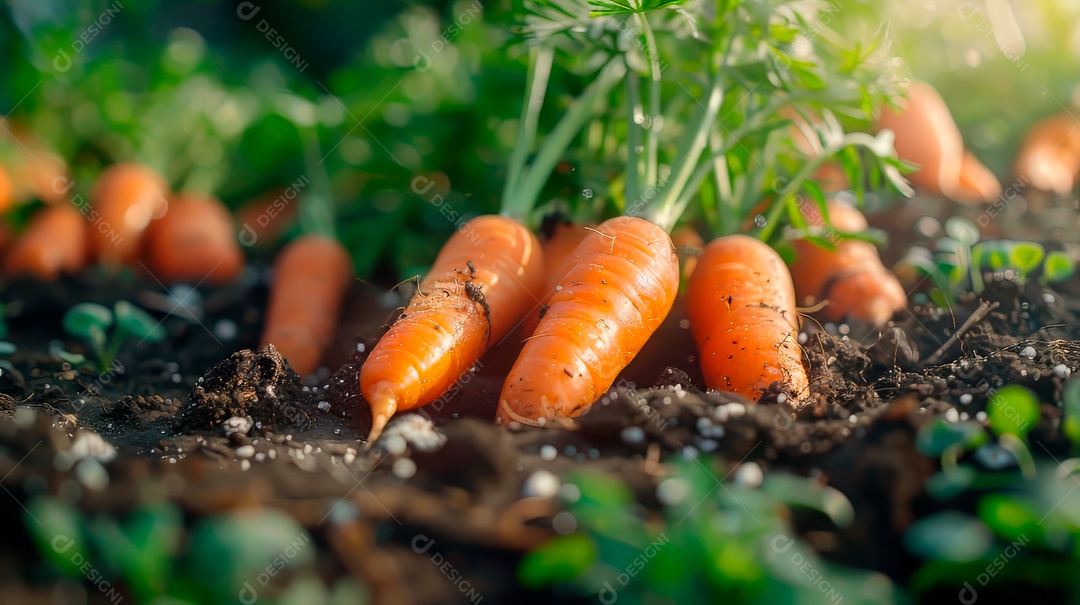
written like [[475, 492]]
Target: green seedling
[[1070, 400], [1013, 410], [92, 322]]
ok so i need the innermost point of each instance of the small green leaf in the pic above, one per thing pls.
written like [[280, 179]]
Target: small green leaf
[[1070, 398], [138, 323], [557, 561], [1026, 256], [1009, 517], [87, 320], [1013, 410], [945, 485], [56, 528], [937, 436], [948, 536], [604, 8], [1058, 267], [7, 348]]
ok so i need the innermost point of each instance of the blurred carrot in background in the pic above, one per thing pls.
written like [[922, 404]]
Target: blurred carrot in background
[[127, 197], [54, 242], [194, 242], [1049, 157]]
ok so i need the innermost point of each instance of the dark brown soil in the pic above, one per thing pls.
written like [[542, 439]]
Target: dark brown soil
[[212, 425]]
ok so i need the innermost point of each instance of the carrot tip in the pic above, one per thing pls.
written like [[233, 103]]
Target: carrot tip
[[383, 406]]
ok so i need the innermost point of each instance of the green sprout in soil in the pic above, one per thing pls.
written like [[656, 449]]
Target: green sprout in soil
[[731, 540], [91, 322]]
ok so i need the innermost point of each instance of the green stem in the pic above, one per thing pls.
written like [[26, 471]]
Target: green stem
[[521, 201], [316, 211], [652, 134], [1023, 456], [663, 213], [108, 354], [633, 138], [540, 59]]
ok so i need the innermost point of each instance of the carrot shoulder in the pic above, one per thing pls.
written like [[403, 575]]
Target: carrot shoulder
[[487, 276], [311, 276], [126, 197], [620, 287], [194, 242], [558, 250], [741, 305], [53, 243], [851, 277]]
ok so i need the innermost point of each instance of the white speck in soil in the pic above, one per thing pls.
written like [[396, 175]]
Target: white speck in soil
[[830, 327], [259, 457], [324, 406], [631, 435], [548, 452], [92, 474], [272, 454], [1048, 298], [541, 484], [25, 417], [360, 348], [1062, 371], [736, 409], [404, 468], [749, 474], [689, 452], [416, 431], [708, 445], [237, 424], [307, 448], [245, 451], [225, 329], [980, 416], [569, 493], [1028, 352], [672, 492], [803, 338], [245, 465], [966, 398], [564, 523], [853, 419], [952, 415]]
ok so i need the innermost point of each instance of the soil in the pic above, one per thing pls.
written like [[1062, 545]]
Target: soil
[[212, 424]]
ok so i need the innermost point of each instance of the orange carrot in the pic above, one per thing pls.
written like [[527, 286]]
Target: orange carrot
[[620, 287], [311, 275], [53, 243], [194, 242], [851, 277], [927, 135], [558, 251], [741, 305], [7, 193], [486, 277], [1050, 155], [35, 170], [688, 245], [977, 183], [126, 197]]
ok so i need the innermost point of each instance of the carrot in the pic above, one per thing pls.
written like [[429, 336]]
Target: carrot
[[1049, 157], [620, 287], [485, 278], [53, 243], [852, 277], [194, 242], [311, 276], [977, 183], [126, 197], [35, 170], [558, 252], [741, 306], [927, 135], [688, 245], [7, 192]]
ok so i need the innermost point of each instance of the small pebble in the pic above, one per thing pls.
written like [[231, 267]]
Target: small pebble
[[980, 416], [404, 468], [672, 491], [952, 415], [569, 493], [1028, 352], [411, 430], [966, 398], [708, 445], [237, 425], [541, 484], [1062, 371], [92, 474], [324, 406], [245, 465], [225, 329], [631, 435], [548, 452], [245, 451], [749, 474]]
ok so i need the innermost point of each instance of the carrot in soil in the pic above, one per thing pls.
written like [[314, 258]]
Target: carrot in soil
[[194, 242], [620, 287], [851, 277], [7, 193], [976, 183], [53, 243], [486, 277], [927, 135], [558, 252], [1049, 157], [741, 306], [311, 276], [126, 197], [688, 245]]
